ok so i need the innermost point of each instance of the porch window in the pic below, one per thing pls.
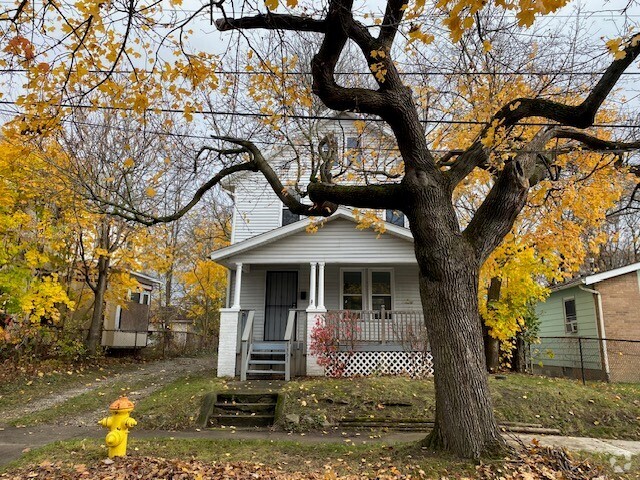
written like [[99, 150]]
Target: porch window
[[289, 217], [380, 290], [395, 217], [352, 290]]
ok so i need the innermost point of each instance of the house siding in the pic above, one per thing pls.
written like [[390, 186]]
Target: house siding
[[562, 355], [257, 208], [337, 241]]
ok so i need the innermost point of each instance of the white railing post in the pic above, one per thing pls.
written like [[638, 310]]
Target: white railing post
[[312, 286], [313, 369]]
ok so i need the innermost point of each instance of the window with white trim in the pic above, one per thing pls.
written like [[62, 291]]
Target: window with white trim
[[352, 290], [366, 289], [140, 297], [570, 315], [380, 289]]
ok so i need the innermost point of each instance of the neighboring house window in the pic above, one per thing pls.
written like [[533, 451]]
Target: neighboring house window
[[381, 290], [395, 217], [140, 297], [352, 290], [146, 298], [570, 316], [289, 217]]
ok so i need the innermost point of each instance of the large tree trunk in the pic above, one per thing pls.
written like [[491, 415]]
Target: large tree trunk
[[449, 271], [97, 317]]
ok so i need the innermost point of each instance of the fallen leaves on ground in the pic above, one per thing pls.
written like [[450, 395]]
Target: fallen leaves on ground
[[534, 463], [537, 462]]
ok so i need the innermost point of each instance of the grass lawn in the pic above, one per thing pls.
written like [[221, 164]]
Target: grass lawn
[[595, 410], [286, 456]]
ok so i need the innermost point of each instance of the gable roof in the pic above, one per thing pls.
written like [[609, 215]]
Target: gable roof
[[597, 277], [287, 231]]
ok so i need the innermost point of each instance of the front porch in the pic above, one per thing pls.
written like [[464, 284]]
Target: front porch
[[361, 285], [366, 342], [264, 330]]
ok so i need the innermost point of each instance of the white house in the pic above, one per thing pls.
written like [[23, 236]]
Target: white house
[[284, 280]]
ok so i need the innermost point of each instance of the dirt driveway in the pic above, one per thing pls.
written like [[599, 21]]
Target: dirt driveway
[[154, 375]]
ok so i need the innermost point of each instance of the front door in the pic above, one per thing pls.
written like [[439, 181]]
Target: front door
[[282, 295]]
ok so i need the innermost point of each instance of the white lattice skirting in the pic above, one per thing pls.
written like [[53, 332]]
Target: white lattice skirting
[[415, 364]]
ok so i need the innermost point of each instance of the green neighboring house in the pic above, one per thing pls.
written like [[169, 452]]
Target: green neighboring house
[[591, 326]]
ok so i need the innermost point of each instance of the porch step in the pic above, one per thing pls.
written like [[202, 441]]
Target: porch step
[[243, 410], [270, 355], [269, 346]]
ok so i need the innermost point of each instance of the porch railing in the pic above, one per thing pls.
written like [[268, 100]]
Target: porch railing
[[402, 328], [295, 335], [247, 340]]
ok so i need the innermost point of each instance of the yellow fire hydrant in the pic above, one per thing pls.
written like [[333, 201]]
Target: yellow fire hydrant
[[118, 422]]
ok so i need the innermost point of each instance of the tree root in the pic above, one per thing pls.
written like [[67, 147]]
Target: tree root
[[492, 447]]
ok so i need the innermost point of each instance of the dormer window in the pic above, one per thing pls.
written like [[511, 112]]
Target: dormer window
[[288, 216], [395, 217]]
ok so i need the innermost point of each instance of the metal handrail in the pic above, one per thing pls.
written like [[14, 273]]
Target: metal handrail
[[247, 340]]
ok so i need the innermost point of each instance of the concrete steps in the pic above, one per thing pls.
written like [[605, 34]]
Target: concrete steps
[[244, 410]]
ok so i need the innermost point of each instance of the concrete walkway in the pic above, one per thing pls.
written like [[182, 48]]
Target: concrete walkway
[[15, 441]]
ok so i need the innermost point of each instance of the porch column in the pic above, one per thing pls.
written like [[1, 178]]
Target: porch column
[[238, 284], [228, 342], [312, 287], [321, 286], [314, 317]]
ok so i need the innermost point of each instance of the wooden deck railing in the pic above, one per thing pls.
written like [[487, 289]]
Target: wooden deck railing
[[384, 327]]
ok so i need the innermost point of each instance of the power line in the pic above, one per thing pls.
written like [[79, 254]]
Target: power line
[[308, 117], [291, 144], [409, 74]]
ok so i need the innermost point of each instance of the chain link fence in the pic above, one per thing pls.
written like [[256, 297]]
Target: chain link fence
[[586, 358]]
